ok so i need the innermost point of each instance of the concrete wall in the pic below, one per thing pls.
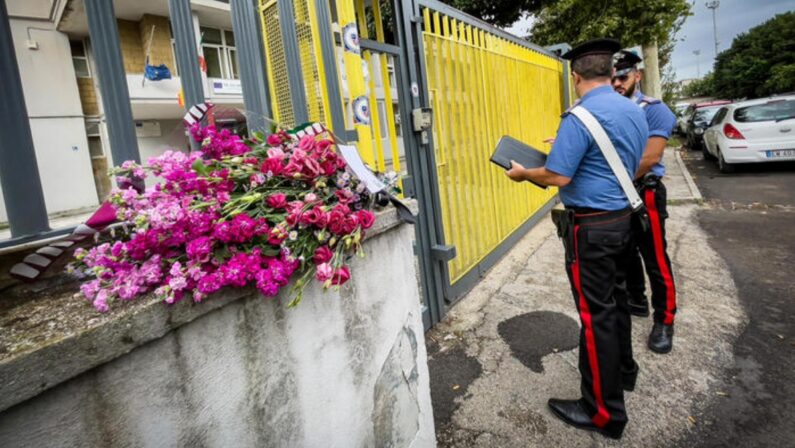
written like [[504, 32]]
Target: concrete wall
[[343, 369], [55, 111]]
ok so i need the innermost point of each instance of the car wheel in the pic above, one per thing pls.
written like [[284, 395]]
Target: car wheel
[[707, 155], [725, 168]]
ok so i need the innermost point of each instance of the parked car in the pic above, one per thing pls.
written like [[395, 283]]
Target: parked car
[[752, 131], [679, 111], [698, 121]]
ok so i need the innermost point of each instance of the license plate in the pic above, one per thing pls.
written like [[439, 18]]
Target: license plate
[[780, 153]]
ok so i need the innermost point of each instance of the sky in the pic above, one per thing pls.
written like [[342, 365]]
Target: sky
[[733, 17]]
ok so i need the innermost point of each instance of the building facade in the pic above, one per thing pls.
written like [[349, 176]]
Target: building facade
[[62, 92]]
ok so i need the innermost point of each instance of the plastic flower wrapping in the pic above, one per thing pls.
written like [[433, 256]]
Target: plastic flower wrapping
[[238, 212]]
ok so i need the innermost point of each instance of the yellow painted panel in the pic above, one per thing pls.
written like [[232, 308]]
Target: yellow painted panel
[[483, 87]]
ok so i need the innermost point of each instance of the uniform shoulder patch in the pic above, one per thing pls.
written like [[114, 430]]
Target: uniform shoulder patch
[[650, 100]]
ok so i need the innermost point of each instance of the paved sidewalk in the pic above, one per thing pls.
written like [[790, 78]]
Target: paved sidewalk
[[511, 343]]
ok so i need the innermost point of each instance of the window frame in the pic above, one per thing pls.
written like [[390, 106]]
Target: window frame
[[224, 53], [84, 57]]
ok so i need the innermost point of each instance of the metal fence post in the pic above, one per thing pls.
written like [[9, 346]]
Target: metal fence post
[[251, 57], [19, 172], [187, 55], [292, 58], [421, 162], [328, 48], [112, 80]]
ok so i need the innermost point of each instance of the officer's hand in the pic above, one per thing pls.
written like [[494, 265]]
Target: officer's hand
[[549, 140], [516, 173]]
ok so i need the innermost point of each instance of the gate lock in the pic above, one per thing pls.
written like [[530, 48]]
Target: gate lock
[[422, 121]]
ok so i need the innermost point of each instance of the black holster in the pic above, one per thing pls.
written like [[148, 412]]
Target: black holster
[[640, 220], [564, 222]]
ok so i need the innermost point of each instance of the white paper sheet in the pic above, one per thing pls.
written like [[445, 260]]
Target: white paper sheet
[[360, 170]]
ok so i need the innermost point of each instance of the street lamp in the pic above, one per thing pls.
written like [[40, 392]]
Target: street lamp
[[713, 5], [698, 65]]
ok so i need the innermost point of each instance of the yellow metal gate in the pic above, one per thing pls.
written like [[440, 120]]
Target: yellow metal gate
[[482, 87], [480, 83]]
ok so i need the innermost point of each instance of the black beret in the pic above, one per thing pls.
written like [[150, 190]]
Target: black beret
[[625, 61], [593, 46]]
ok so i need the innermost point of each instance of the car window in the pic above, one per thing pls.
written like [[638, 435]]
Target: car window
[[705, 115], [719, 116], [770, 111]]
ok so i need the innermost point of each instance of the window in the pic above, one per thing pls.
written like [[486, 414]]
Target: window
[[219, 51], [718, 118], [704, 116], [770, 111], [80, 59]]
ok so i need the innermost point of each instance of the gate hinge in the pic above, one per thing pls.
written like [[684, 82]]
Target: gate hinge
[[443, 252]]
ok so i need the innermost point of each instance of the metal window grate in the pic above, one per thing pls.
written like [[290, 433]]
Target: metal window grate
[[309, 67], [277, 64]]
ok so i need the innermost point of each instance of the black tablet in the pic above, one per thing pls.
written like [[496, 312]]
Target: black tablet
[[508, 148]]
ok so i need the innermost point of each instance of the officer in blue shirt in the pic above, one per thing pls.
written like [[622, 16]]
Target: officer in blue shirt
[[596, 231], [651, 243]]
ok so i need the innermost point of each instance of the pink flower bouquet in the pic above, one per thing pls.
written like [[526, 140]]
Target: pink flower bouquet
[[236, 213]]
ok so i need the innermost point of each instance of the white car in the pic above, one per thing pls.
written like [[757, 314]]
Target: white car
[[752, 131]]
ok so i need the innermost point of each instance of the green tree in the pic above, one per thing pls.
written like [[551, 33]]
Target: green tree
[[760, 62], [499, 12], [640, 22], [700, 87]]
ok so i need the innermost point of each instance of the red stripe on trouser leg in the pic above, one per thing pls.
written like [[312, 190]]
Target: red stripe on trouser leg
[[659, 253], [602, 416]]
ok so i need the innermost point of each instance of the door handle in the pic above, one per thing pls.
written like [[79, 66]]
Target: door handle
[[785, 129]]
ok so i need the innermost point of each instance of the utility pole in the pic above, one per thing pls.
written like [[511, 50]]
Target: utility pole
[[698, 65], [713, 5]]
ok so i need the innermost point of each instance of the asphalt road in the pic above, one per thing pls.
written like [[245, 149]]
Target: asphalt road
[[751, 224]]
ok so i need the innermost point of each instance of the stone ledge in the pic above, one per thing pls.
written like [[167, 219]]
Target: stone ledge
[[48, 340]]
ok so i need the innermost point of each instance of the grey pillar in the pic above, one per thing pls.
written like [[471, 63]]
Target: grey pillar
[[187, 55], [112, 80], [251, 60], [328, 48], [293, 60], [19, 172]]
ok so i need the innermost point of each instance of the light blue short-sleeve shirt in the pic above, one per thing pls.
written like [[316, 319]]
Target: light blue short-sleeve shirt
[[661, 122], [576, 155]]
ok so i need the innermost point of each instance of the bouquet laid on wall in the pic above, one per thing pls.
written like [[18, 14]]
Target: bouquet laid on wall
[[237, 213]]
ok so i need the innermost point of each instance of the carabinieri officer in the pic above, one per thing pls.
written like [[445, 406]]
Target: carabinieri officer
[[596, 228], [652, 243]]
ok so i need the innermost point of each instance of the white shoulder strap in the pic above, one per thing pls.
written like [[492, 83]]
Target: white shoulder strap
[[609, 151]]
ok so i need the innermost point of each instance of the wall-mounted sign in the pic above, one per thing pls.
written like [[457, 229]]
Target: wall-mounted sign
[[415, 90], [361, 110], [350, 37], [227, 86]]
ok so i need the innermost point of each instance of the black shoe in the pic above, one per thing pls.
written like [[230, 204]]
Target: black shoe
[[572, 413], [629, 377], [661, 338], [639, 307]]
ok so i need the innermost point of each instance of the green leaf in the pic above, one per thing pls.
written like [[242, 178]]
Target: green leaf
[[270, 251], [199, 167]]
